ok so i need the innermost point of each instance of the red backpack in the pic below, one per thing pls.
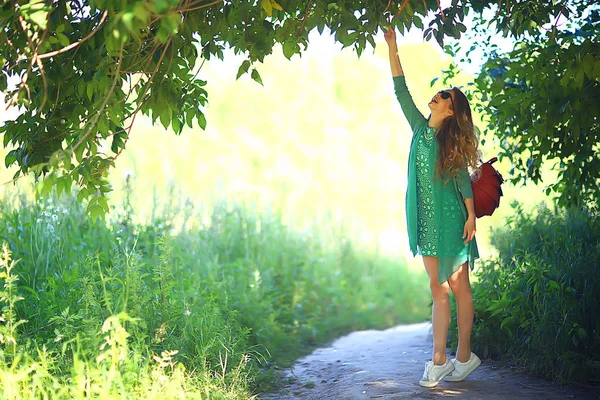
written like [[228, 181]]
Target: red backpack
[[486, 183]]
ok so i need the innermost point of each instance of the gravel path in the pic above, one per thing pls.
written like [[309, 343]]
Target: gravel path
[[388, 365]]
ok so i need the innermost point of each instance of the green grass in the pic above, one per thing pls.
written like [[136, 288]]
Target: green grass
[[195, 304]]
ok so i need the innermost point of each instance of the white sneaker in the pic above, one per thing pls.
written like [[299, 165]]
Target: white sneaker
[[433, 374], [461, 370]]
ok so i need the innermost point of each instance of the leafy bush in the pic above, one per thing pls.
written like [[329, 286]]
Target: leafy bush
[[189, 304], [538, 302]]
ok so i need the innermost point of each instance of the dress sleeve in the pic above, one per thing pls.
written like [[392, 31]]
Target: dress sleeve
[[464, 184], [410, 110]]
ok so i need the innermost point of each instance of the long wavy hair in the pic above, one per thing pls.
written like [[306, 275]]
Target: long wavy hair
[[458, 140]]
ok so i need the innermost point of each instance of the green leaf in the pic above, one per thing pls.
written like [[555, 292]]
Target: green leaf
[[165, 116], [202, 120], [176, 125], [289, 49], [62, 39], [10, 158], [103, 202], [89, 90], [256, 76], [141, 12], [267, 6], [171, 22], [3, 82], [36, 11], [243, 68], [418, 22], [118, 141], [127, 18]]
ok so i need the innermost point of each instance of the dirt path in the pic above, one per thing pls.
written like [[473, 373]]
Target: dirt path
[[388, 365]]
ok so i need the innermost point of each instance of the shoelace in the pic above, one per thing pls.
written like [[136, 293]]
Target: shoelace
[[428, 366]]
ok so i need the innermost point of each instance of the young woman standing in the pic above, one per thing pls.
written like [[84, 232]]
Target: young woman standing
[[441, 214]]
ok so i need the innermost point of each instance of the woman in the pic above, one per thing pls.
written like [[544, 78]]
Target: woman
[[441, 214]]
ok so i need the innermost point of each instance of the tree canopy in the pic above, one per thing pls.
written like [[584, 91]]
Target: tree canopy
[[86, 69], [541, 99]]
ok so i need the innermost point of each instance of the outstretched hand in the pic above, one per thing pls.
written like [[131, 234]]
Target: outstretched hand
[[390, 36]]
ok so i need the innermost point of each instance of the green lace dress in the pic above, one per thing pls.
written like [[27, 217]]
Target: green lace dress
[[435, 209]]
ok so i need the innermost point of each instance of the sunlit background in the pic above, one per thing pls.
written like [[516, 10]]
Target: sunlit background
[[324, 137]]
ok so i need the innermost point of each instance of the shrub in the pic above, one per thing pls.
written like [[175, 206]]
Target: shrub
[[538, 302]]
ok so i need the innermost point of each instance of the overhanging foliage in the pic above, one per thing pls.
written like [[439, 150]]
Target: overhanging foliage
[[87, 68], [541, 99]]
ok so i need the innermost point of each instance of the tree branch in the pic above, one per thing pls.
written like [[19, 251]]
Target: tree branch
[[404, 4], [75, 44], [442, 11], [137, 109], [101, 109], [304, 19]]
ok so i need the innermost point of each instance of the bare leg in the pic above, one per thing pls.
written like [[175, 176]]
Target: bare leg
[[461, 287], [441, 310]]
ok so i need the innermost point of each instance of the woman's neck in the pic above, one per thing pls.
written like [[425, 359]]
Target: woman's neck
[[435, 121]]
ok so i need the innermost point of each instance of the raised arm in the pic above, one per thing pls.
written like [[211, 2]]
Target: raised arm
[[390, 38], [410, 110]]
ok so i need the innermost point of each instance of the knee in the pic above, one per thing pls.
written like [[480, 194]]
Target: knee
[[459, 282], [439, 292], [459, 286]]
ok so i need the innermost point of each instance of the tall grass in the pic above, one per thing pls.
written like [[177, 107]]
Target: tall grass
[[190, 304], [538, 303]]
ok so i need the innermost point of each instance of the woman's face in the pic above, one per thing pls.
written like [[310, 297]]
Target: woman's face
[[441, 105]]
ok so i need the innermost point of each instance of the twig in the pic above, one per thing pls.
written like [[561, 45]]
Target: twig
[[101, 109], [201, 7], [556, 22], [34, 61], [531, 387], [40, 65], [199, 68], [442, 11], [388, 6], [404, 4], [500, 6], [304, 19], [137, 109], [75, 44], [26, 74], [39, 328]]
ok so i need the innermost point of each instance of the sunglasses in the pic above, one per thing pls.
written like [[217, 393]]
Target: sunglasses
[[446, 95]]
